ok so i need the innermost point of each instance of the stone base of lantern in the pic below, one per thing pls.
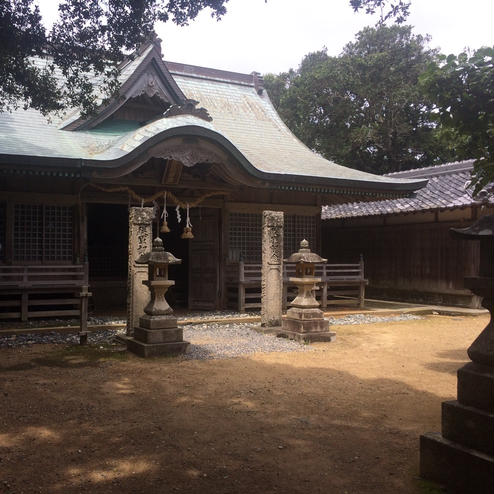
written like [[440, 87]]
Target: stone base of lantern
[[461, 457], [156, 349], [157, 336], [306, 325], [312, 337], [462, 469], [158, 322]]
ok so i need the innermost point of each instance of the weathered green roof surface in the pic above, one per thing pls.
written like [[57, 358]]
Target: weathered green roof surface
[[243, 120]]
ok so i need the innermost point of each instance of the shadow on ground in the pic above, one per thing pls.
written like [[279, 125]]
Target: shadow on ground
[[89, 421], [459, 358]]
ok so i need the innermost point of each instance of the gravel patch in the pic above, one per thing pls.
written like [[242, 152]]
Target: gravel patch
[[220, 341], [368, 319], [219, 314], [106, 336], [207, 340], [115, 320], [206, 316]]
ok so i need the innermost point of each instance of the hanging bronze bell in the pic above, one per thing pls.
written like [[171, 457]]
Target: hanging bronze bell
[[164, 227], [187, 233]]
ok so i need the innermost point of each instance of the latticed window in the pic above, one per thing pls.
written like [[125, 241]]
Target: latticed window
[[43, 233], [298, 228], [245, 235]]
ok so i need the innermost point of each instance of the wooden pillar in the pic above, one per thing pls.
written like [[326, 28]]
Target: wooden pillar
[[361, 293], [241, 286], [84, 301], [272, 268], [140, 242], [82, 244], [324, 294]]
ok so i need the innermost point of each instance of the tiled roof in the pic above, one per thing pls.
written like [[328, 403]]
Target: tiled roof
[[447, 188], [243, 118]]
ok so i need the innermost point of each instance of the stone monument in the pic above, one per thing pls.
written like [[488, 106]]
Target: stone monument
[[157, 333], [462, 457], [140, 239], [304, 321], [272, 269]]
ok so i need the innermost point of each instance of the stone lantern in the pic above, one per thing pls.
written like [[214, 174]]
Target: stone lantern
[[157, 333], [462, 456], [304, 320]]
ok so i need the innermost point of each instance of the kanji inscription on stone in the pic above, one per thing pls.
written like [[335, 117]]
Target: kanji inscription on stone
[[140, 242], [272, 268]]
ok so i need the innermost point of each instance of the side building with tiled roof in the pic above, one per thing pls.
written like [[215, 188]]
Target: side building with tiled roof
[[408, 250]]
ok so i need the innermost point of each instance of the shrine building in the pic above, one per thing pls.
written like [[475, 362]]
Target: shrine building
[[207, 142]]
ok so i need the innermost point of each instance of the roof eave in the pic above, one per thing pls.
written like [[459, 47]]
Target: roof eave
[[397, 187], [283, 181]]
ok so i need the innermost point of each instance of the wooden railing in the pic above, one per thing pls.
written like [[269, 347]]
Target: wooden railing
[[342, 284], [43, 291]]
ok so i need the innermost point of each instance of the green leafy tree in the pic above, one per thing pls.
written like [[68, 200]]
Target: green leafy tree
[[365, 108], [463, 91], [88, 41]]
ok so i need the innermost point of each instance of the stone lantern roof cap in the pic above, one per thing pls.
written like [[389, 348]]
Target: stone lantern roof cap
[[158, 255], [305, 255], [483, 228]]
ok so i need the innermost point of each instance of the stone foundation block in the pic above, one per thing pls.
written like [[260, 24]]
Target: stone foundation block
[[305, 326], [313, 337], [158, 335], [462, 470], [158, 322], [156, 349], [476, 387], [468, 426], [304, 314]]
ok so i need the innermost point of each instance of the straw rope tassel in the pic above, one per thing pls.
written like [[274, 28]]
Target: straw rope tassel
[[164, 217], [188, 226]]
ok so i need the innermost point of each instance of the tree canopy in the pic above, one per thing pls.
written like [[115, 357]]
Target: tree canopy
[[88, 41], [365, 108], [463, 92]]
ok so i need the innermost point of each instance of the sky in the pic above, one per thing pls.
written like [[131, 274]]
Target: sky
[[274, 35]]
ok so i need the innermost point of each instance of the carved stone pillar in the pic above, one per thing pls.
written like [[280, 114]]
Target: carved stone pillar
[[140, 242], [272, 268]]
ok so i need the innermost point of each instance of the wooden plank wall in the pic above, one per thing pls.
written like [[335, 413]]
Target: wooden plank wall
[[410, 258]]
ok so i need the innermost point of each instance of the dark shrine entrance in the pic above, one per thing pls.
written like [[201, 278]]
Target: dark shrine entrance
[[107, 238], [196, 279], [204, 256]]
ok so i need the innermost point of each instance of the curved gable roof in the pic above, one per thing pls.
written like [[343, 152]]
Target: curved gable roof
[[146, 73]]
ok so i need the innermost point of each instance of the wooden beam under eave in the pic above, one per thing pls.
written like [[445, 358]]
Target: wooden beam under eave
[[247, 207]]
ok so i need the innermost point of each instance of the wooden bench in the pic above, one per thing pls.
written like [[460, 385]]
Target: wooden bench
[[243, 286], [43, 291], [341, 284]]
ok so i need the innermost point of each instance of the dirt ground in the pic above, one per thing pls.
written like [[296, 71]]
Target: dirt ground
[[345, 418]]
